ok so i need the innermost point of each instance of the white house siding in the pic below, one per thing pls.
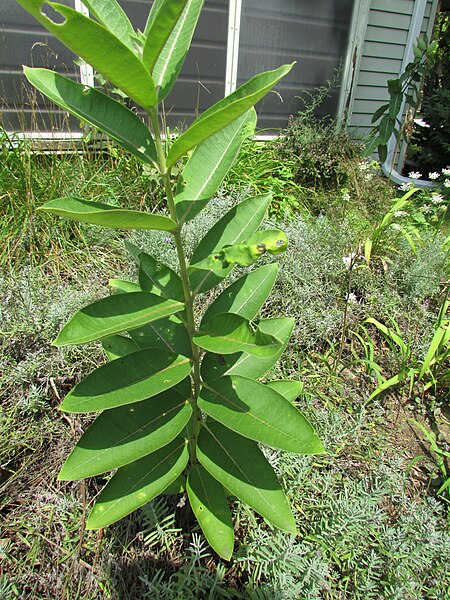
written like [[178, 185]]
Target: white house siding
[[384, 51]]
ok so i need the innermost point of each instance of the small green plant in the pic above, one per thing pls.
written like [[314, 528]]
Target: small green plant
[[432, 373], [406, 86], [378, 243], [182, 407]]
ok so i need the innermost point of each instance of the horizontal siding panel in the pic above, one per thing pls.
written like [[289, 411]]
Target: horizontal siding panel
[[367, 107], [35, 48], [392, 20], [386, 35], [376, 65], [362, 127], [379, 50], [369, 79], [372, 93], [404, 7]]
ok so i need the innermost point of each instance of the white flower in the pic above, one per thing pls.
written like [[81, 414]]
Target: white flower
[[352, 298], [437, 198], [426, 208], [368, 176], [396, 227], [400, 213], [364, 166], [345, 196], [447, 183], [433, 175], [405, 187], [446, 172], [415, 175]]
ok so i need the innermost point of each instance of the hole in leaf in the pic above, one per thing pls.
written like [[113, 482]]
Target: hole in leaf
[[52, 14]]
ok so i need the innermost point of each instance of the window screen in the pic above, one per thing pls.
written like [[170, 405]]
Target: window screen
[[312, 32]]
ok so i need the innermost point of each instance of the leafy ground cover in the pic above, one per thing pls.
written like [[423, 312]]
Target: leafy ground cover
[[372, 514]]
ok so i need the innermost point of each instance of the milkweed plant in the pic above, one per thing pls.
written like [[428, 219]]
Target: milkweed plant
[[180, 404]]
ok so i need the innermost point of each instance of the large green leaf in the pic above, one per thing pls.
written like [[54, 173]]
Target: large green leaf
[[236, 226], [260, 413], [241, 468], [216, 365], [168, 334], [225, 112], [288, 388], [105, 113], [115, 314], [100, 48], [227, 333], [116, 346], [121, 435], [171, 57], [245, 296], [104, 215], [158, 278], [111, 15], [210, 506], [136, 484], [159, 30], [208, 165], [129, 379]]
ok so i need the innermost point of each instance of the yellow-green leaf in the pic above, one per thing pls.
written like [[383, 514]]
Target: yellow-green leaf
[[104, 215]]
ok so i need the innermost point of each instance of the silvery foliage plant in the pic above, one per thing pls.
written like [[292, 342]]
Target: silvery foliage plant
[[180, 404]]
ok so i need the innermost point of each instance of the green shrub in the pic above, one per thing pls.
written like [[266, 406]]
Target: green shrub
[[320, 151]]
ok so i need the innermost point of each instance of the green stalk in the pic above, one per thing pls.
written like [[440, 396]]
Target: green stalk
[[188, 294]]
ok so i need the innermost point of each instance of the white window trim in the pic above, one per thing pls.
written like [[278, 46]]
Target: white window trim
[[234, 29], [86, 71], [360, 18]]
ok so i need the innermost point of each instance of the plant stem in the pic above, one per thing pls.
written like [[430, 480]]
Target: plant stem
[[188, 294]]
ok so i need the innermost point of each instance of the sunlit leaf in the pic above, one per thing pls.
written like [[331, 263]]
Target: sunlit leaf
[[159, 30], [288, 388], [227, 333], [99, 48], [241, 468], [121, 435], [171, 57], [225, 112], [236, 226], [113, 118], [129, 379], [246, 295], [247, 365], [115, 314], [208, 165], [258, 412], [105, 215], [112, 16]]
